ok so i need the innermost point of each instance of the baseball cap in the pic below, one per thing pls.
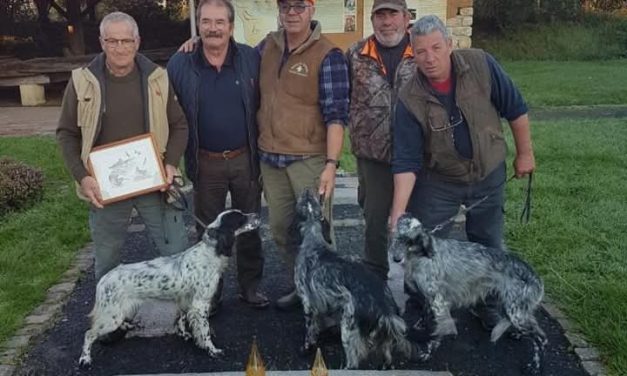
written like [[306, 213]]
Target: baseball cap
[[399, 5], [313, 2]]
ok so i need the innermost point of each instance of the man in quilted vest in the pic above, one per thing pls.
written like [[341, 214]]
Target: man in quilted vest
[[138, 99], [303, 111], [379, 66], [449, 146]]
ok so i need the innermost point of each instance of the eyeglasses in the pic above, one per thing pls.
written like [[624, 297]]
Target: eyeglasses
[[298, 7], [113, 43], [453, 121]]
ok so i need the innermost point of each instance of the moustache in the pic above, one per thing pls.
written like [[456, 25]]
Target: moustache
[[213, 34]]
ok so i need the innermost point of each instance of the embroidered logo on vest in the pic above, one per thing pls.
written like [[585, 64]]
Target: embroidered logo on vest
[[299, 69]]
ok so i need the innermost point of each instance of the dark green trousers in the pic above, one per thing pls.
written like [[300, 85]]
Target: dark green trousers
[[376, 188], [109, 228]]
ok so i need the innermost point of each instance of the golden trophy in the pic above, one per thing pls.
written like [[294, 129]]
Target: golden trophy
[[255, 365], [319, 368]]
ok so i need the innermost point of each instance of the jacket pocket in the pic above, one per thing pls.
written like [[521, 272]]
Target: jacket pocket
[[85, 111]]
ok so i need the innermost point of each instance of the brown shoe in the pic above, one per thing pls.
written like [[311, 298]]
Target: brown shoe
[[255, 299], [288, 301]]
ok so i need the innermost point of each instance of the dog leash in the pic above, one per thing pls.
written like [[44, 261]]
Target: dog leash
[[525, 215], [176, 198]]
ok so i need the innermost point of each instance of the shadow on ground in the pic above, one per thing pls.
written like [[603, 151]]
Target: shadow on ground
[[279, 334]]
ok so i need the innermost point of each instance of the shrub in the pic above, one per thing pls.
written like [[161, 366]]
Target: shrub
[[20, 185]]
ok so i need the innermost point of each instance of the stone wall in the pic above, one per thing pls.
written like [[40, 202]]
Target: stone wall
[[459, 22]]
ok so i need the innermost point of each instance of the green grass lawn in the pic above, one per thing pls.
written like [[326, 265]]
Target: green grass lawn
[[37, 245], [577, 237], [573, 83]]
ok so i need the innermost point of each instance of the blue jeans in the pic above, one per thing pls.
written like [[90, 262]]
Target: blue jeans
[[434, 201]]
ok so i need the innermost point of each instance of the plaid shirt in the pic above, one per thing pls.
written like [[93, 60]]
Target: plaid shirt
[[333, 86]]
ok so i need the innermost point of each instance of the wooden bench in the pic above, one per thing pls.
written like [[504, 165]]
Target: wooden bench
[[31, 75]]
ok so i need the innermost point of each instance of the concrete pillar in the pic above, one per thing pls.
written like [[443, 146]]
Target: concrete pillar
[[32, 95]]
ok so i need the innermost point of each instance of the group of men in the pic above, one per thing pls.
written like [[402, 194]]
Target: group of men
[[423, 120]]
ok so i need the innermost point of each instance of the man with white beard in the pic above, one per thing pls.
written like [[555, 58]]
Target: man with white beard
[[379, 66]]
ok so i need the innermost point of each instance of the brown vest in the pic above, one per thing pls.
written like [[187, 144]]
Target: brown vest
[[473, 99], [289, 117]]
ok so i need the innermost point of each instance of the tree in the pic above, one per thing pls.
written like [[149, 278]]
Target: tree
[[74, 12]]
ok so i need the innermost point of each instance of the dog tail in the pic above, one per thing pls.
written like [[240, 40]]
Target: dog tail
[[393, 328]]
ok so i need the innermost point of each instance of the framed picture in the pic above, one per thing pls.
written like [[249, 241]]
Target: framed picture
[[127, 168]]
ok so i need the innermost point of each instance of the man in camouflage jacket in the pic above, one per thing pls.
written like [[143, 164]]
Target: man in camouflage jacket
[[379, 66]]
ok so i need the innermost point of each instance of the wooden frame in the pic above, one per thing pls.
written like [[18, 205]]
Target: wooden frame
[[127, 168]]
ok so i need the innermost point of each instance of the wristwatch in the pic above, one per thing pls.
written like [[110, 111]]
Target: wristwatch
[[334, 161]]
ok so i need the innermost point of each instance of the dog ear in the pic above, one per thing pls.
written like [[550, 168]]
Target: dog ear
[[427, 245], [326, 230], [225, 240]]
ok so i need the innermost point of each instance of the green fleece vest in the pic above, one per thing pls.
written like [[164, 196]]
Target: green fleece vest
[[290, 120], [472, 95], [89, 97]]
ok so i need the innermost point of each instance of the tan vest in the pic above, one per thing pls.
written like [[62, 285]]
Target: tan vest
[[89, 98], [290, 121], [473, 89]]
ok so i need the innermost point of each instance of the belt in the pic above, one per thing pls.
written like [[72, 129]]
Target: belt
[[225, 155]]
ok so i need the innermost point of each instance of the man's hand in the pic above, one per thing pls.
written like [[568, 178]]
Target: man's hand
[[327, 180], [90, 189], [170, 172], [393, 219], [524, 164], [189, 45]]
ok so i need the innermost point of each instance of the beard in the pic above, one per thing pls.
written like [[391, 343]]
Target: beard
[[389, 40]]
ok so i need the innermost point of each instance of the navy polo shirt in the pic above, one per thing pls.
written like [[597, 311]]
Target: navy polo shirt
[[221, 114]]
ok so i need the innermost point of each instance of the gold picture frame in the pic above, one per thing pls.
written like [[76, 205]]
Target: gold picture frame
[[127, 168]]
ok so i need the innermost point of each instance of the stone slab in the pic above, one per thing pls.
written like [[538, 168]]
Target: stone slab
[[332, 372]]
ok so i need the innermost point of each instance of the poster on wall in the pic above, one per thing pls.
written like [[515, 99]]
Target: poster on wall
[[350, 16], [254, 19], [417, 9]]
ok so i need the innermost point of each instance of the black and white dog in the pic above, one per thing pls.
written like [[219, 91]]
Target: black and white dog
[[452, 273], [328, 284], [189, 278]]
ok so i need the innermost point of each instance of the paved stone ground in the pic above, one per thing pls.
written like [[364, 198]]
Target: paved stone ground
[[279, 334], [22, 121]]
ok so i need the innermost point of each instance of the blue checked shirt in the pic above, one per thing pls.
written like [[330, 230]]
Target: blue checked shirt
[[333, 86]]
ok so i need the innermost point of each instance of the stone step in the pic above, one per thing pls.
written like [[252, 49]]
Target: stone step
[[332, 372]]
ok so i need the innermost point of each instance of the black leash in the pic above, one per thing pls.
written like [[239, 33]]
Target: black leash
[[526, 212], [525, 215], [176, 198]]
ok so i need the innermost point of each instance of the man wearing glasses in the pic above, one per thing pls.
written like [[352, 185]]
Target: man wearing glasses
[[122, 94], [304, 108], [448, 143]]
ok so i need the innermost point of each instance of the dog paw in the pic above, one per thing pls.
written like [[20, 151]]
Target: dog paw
[[216, 352], [515, 334], [84, 361], [424, 356], [307, 349]]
